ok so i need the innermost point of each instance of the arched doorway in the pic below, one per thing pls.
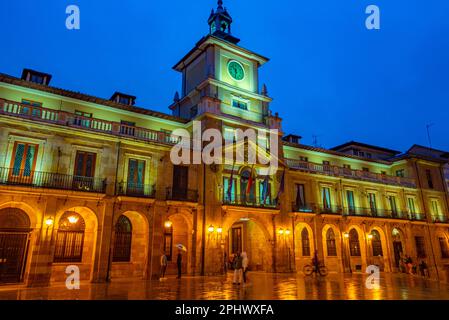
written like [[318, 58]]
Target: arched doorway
[[378, 250], [130, 246], [356, 249], [398, 247], [15, 228], [304, 245], [331, 244], [177, 231], [247, 235]]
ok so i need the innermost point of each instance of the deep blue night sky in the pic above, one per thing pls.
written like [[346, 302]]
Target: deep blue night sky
[[329, 76]]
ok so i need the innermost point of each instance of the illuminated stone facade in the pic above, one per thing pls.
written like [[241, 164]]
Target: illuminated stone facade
[[89, 182]]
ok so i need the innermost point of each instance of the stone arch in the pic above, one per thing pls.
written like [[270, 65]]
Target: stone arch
[[254, 239], [332, 261], [300, 259], [89, 244], [139, 250], [383, 262], [34, 215], [15, 234], [398, 243], [179, 232], [357, 262]]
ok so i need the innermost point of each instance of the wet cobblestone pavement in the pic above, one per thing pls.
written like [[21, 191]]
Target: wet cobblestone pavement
[[262, 286]]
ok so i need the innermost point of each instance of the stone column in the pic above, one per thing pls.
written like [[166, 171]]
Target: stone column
[[102, 259], [42, 255]]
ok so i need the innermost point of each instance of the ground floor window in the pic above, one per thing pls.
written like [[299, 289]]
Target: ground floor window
[[420, 247], [70, 238], [122, 240]]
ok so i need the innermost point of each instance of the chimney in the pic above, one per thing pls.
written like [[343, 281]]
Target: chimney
[[123, 98], [36, 76]]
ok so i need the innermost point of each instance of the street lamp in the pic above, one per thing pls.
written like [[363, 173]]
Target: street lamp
[[219, 230], [73, 219], [281, 231], [49, 222], [211, 229], [168, 224], [370, 236], [287, 232], [346, 235]]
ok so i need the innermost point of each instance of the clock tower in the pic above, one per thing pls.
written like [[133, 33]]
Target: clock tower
[[221, 79]]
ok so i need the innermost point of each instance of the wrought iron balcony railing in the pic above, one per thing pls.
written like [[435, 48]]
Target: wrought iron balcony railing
[[304, 208], [350, 173], [25, 111], [383, 213], [177, 194], [130, 189], [50, 180], [440, 219], [248, 201]]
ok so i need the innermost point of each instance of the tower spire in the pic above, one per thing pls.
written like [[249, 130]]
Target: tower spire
[[220, 22]]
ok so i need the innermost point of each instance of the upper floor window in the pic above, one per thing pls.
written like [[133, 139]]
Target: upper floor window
[[393, 206], [31, 108], [127, 128], [365, 169], [326, 163], [37, 78], [411, 205], [23, 162], [300, 196], [347, 166], [136, 177], [429, 179], [400, 173], [123, 100], [369, 155], [82, 119], [326, 197], [435, 207], [372, 203], [84, 170], [229, 189], [350, 200], [239, 104], [265, 192], [304, 159]]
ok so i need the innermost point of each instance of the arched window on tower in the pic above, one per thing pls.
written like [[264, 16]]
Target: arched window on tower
[[122, 240], [70, 238], [305, 243], [330, 243], [376, 243], [354, 244]]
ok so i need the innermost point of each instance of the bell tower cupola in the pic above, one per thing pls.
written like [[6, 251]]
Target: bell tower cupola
[[220, 22]]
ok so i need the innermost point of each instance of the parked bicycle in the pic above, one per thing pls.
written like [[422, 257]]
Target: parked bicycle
[[309, 269], [315, 267]]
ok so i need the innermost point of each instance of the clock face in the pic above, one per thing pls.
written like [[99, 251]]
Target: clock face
[[236, 70]]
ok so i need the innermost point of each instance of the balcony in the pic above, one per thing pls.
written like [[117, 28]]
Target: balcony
[[248, 201], [440, 219], [381, 213], [303, 208], [317, 168], [66, 119], [135, 190], [48, 180], [177, 194]]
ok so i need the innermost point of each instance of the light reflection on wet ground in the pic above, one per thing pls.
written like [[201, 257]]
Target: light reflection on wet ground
[[262, 287]]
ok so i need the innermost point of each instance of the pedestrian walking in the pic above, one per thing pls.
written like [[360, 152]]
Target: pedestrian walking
[[164, 263], [238, 268], [245, 263], [179, 264]]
